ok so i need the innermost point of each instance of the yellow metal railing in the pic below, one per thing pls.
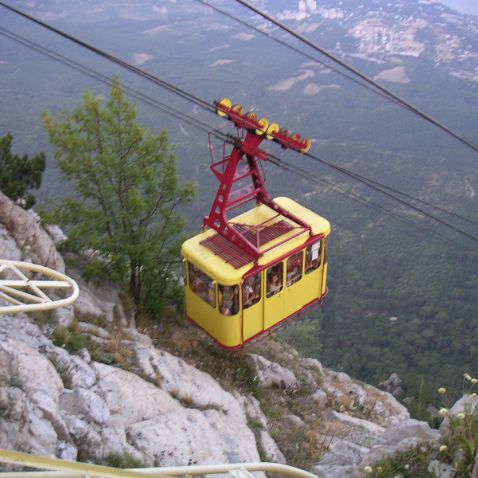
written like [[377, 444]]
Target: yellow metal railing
[[71, 469], [21, 293]]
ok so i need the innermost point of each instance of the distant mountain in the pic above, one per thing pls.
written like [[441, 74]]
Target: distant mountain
[[383, 31]]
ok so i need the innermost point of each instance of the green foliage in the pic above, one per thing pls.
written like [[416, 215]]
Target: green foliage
[[122, 461], [304, 335], [411, 464], [460, 446], [19, 174], [127, 195], [68, 338], [404, 305]]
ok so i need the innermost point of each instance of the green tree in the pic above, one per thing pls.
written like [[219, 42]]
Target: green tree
[[127, 195], [19, 174]]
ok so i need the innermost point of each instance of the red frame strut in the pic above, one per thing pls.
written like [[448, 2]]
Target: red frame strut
[[248, 148]]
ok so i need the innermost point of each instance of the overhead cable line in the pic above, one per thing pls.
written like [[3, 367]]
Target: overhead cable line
[[158, 81], [413, 198], [103, 79], [378, 187], [194, 99], [392, 96], [289, 46], [366, 202], [205, 127]]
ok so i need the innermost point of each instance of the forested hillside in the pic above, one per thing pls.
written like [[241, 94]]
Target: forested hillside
[[403, 292]]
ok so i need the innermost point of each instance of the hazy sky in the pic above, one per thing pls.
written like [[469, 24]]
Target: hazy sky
[[465, 6]]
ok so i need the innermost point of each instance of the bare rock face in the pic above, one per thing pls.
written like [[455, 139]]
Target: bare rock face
[[392, 385], [270, 373], [30, 391], [8, 247], [191, 436], [29, 236], [68, 405]]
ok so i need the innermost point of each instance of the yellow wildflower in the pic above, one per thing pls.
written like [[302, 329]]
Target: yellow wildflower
[[443, 411], [461, 416], [442, 390], [368, 469], [467, 376], [443, 448]]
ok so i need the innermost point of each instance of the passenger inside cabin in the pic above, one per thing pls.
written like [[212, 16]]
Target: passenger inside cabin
[[251, 291], [202, 285], [274, 280], [228, 299], [294, 268]]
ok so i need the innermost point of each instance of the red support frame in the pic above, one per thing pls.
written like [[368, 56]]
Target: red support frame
[[228, 174]]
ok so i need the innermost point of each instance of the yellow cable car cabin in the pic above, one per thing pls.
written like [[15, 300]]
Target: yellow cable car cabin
[[249, 274]]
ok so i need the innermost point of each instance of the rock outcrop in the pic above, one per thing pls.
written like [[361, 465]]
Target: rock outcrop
[[31, 240], [94, 387]]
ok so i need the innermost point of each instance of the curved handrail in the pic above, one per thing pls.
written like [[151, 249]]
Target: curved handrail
[[73, 468], [29, 295]]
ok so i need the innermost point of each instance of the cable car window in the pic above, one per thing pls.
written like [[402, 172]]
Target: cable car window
[[294, 268], [202, 285], [312, 257], [229, 299], [274, 279], [251, 290]]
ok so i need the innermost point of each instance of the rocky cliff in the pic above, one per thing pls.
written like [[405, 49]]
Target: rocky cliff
[[89, 384]]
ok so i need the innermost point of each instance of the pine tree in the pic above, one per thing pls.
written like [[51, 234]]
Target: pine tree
[[126, 195], [19, 174]]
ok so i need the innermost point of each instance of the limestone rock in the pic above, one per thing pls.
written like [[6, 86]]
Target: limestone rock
[[189, 436], [334, 471], [85, 404], [8, 247], [252, 408], [400, 439], [129, 398], [191, 386], [466, 404], [270, 450], [27, 233], [21, 328], [76, 369], [392, 385], [313, 364], [271, 373], [294, 421], [101, 304], [366, 425], [319, 398], [343, 453], [29, 399], [442, 470], [408, 429], [56, 233]]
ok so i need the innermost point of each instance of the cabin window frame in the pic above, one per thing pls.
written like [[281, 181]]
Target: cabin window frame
[[267, 289], [234, 306], [309, 256], [293, 279], [255, 289], [202, 279]]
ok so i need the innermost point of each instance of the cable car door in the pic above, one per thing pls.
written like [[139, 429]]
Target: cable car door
[[253, 317], [295, 295], [312, 280], [274, 295]]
